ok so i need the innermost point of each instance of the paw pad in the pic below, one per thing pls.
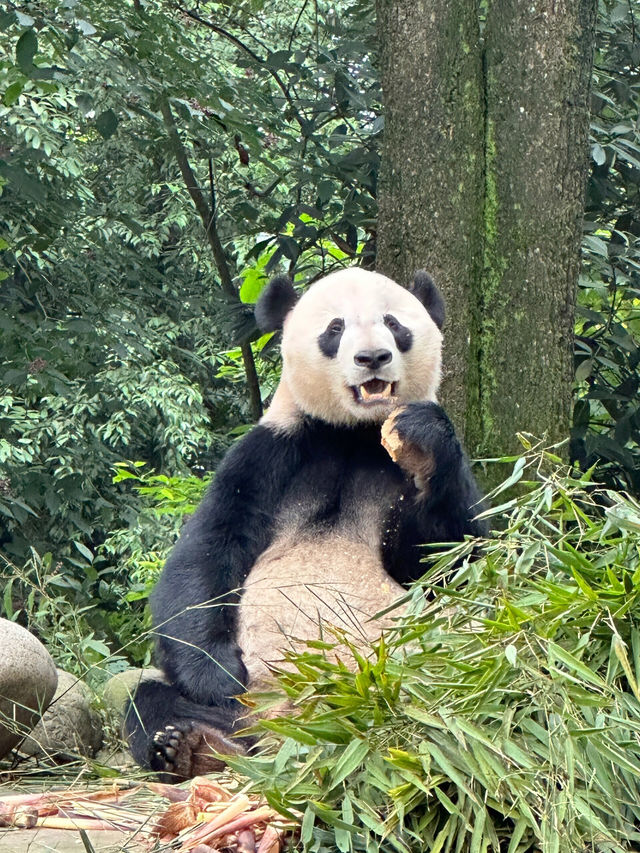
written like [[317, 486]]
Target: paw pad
[[165, 747]]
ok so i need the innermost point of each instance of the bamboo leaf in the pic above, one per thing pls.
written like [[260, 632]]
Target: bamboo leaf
[[350, 760], [620, 651], [447, 767], [516, 837], [576, 665], [479, 842]]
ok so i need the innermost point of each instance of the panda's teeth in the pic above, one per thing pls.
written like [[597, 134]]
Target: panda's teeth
[[384, 392]]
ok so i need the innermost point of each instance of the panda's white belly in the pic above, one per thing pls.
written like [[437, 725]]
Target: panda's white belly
[[296, 591]]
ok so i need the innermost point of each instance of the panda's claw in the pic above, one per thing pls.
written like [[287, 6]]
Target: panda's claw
[[180, 752], [165, 751]]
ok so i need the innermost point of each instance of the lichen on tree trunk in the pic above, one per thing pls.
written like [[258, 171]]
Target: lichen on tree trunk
[[484, 168]]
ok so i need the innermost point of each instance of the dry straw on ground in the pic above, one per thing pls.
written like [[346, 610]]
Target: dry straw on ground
[[204, 817]]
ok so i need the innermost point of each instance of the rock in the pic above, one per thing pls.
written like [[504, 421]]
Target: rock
[[27, 683], [120, 688], [116, 759], [70, 726]]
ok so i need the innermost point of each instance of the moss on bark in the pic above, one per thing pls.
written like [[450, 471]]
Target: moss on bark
[[483, 179]]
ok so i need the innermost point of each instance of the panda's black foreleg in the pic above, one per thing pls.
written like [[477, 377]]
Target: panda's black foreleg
[[443, 475], [208, 668], [178, 738], [441, 500]]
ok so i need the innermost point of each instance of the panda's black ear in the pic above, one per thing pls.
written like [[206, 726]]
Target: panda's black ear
[[425, 290], [275, 302]]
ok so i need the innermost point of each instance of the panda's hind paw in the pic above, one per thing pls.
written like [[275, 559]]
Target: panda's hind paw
[[187, 749], [166, 753]]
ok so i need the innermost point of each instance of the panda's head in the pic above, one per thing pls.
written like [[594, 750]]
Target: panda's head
[[354, 346]]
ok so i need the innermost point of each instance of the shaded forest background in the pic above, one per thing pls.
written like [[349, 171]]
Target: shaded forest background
[[157, 163]]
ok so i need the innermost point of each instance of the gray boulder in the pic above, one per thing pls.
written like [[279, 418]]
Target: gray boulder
[[120, 688], [70, 726], [28, 682]]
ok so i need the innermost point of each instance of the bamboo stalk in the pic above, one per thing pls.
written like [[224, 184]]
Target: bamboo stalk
[[28, 799], [207, 833], [24, 817], [116, 815], [54, 822], [233, 809], [52, 797], [270, 841]]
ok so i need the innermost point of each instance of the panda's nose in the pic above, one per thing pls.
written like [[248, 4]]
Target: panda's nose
[[373, 358]]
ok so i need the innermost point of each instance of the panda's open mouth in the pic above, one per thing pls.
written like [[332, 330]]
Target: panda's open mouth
[[374, 392]]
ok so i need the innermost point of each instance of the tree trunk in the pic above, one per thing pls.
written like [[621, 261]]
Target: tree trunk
[[431, 185], [483, 180]]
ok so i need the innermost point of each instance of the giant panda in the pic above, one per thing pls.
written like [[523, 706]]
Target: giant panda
[[309, 521]]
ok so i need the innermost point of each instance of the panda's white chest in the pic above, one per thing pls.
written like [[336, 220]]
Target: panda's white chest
[[298, 590]]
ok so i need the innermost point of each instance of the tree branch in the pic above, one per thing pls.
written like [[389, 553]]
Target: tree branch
[[213, 238], [302, 121], [295, 26]]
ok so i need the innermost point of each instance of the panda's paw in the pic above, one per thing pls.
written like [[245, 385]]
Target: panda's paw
[[421, 439], [187, 749], [424, 425]]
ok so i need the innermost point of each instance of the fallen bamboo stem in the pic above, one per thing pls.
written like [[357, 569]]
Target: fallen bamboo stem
[[24, 818], [101, 813], [53, 797], [207, 833], [76, 823], [270, 841], [232, 809]]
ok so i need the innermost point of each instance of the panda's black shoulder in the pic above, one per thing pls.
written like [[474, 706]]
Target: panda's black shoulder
[[242, 497], [265, 460], [259, 459], [261, 446]]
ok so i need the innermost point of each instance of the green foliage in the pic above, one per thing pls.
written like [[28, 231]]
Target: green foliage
[[54, 605], [141, 550], [502, 714], [76, 604], [606, 421], [176, 496], [116, 340]]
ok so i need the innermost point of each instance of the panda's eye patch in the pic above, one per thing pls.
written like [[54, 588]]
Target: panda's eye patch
[[391, 322], [402, 335], [329, 340]]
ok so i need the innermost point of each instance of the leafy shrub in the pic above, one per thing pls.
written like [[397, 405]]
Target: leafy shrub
[[606, 420], [76, 604], [503, 714], [166, 501], [65, 613]]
